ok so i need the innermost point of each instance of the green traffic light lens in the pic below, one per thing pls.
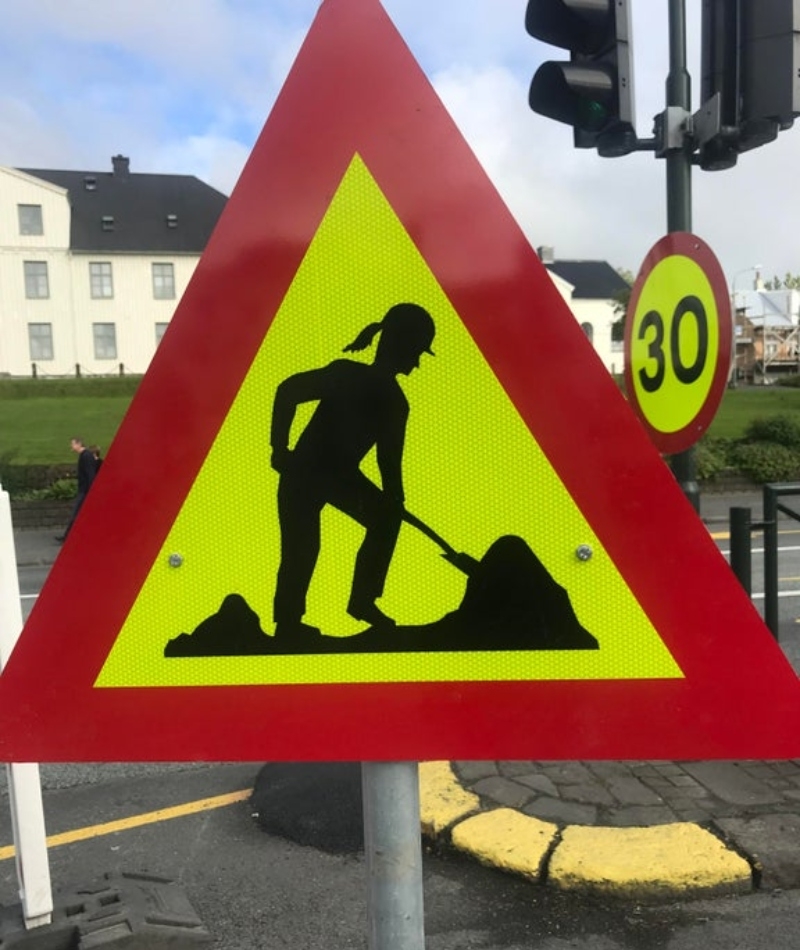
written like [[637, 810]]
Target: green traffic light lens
[[591, 115]]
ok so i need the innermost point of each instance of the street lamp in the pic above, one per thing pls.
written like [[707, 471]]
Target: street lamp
[[744, 270]]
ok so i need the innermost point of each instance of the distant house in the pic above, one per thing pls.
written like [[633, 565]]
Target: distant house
[[766, 333], [591, 289], [92, 265]]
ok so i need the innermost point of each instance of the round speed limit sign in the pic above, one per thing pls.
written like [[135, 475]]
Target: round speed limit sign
[[678, 341]]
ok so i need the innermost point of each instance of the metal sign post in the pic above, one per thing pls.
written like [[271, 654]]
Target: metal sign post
[[393, 849]]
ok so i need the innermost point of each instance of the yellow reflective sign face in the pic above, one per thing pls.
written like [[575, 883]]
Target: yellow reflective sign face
[[471, 470], [674, 344]]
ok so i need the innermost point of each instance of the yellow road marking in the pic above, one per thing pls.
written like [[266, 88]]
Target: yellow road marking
[[725, 535], [135, 821]]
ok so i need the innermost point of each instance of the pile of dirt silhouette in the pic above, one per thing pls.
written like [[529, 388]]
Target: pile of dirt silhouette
[[511, 603]]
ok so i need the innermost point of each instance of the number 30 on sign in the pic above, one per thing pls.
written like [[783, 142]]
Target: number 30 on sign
[[678, 341]]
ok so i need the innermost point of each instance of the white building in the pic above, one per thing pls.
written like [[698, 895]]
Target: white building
[[591, 290], [92, 265]]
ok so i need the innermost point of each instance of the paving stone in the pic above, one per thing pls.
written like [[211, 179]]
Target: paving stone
[[771, 840], [669, 769], [732, 784], [685, 781], [640, 816], [472, 771], [588, 794], [514, 769], [567, 772], [694, 792], [696, 814], [631, 791], [762, 770], [504, 791], [645, 771], [566, 813], [540, 784], [605, 770], [661, 785]]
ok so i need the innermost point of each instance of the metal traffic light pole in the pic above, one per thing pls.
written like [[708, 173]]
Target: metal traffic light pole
[[679, 192]]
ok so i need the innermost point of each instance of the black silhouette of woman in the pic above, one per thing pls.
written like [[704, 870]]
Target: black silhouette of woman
[[360, 405]]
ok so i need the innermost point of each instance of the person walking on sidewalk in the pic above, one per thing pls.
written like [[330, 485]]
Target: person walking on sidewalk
[[86, 470]]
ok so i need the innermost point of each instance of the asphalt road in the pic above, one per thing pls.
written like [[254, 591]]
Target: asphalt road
[[254, 888], [788, 582]]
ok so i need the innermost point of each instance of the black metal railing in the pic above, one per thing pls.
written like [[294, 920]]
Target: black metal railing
[[772, 507], [742, 528]]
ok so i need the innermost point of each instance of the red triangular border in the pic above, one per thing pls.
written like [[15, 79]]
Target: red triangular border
[[356, 88]]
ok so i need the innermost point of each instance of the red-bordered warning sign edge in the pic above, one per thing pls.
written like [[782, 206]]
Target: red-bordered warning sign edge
[[355, 88]]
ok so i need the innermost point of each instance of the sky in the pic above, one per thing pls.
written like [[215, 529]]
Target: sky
[[185, 87]]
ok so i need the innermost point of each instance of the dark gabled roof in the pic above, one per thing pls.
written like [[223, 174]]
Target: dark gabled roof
[[122, 212], [592, 280]]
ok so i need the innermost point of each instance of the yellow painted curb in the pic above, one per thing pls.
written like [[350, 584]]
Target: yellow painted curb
[[442, 800], [508, 840], [647, 861]]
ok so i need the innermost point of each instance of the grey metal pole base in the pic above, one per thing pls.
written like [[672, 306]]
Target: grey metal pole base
[[393, 849]]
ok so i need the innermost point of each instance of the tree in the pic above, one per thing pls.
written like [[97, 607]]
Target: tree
[[790, 282]]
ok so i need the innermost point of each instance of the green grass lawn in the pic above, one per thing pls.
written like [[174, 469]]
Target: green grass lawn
[[39, 417], [38, 431], [740, 406]]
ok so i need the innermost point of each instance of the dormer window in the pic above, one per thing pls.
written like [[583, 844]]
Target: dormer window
[[108, 222], [90, 183], [172, 221]]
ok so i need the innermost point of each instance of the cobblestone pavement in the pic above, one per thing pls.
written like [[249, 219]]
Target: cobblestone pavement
[[627, 794]]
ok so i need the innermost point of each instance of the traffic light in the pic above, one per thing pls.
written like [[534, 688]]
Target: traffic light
[[593, 92], [770, 69], [751, 62], [720, 77]]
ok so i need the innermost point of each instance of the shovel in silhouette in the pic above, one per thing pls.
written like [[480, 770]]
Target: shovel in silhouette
[[464, 562]]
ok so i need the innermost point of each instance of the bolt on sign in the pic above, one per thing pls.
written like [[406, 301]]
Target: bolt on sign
[[408, 513]]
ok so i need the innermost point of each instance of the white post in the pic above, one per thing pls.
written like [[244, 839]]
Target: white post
[[24, 786]]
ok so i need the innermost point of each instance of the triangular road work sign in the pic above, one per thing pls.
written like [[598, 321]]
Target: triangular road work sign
[[371, 368]]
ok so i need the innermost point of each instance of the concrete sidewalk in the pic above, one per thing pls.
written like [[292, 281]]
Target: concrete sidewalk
[[639, 829]]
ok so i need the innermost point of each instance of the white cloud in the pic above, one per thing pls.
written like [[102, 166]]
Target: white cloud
[[186, 86]]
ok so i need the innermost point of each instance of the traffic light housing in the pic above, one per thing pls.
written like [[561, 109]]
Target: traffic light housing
[[593, 92], [751, 61], [770, 69]]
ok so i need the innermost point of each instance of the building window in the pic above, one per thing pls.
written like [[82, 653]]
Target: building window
[[100, 280], [107, 222], [30, 219], [161, 329], [40, 341], [105, 341], [588, 329], [36, 283], [163, 281]]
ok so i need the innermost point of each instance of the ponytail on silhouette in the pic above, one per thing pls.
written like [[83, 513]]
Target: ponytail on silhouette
[[363, 340], [406, 322]]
